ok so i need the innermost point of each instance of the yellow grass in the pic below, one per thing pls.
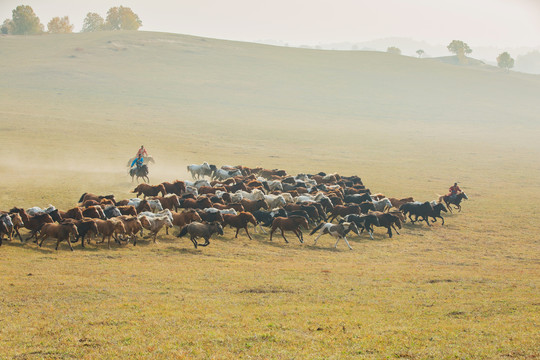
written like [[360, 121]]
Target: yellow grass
[[74, 108]]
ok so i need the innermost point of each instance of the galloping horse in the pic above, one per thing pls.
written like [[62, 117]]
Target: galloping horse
[[454, 201], [146, 160], [338, 231], [197, 229], [291, 223], [200, 170], [139, 172], [58, 231], [240, 221]]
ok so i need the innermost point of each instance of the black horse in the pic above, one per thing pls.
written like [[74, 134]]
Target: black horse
[[454, 200], [139, 172]]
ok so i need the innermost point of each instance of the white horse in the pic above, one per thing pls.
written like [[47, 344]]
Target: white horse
[[255, 194], [165, 212], [154, 204], [154, 224], [221, 174], [222, 211], [199, 170], [380, 205], [197, 184], [37, 210], [275, 201]]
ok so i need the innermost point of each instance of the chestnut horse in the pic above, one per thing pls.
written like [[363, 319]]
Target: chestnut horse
[[58, 231], [254, 205], [32, 223], [149, 190], [177, 187], [98, 198], [291, 223], [240, 221]]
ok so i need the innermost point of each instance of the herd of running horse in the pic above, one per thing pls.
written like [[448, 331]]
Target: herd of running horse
[[238, 197]]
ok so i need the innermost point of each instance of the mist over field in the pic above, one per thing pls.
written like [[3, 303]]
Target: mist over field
[[75, 107]]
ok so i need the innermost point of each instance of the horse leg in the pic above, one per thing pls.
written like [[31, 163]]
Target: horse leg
[[247, 232], [393, 227], [194, 241], [287, 241], [347, 242], [389, 231], [426, 219], [42, 237], [299, 234], [69, 243], [318, 236], [442, 220], [19, 234], [237, 230]]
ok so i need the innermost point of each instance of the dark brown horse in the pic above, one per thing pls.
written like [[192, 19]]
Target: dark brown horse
[[33, 223], [291, 223], [74, 213], [254, 205], [95, 212], [177, 187], [240, 221], [169, 201], [128, 210], [197, 229], [201, 203], [149, 190], [455, 200], [387, 220], [98, 198]]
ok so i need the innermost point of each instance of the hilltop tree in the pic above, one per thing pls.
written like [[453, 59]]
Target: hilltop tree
[[122, 18], [393, 50], [59, 25], [25, 21], [505, 61], [93, 22], [459, 48], [7, 27], [420, 52]]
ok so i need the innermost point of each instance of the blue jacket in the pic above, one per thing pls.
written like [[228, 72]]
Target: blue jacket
[[137, 161]]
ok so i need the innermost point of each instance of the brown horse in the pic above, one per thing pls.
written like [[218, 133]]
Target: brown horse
[[291, 223], [177, 187], [197, 229], [201, 203], [149, 190], [33, 223], [128, 210], [89, 202], [185, 217], [398, 202], [95, 212], [74, 213], [58, 231], [18, 223], [240, 221], [169, 201], [132, 226], [98, 198], [110, 227], [254, 205]]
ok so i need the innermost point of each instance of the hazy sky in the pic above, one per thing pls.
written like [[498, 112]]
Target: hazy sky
[[503, 23]]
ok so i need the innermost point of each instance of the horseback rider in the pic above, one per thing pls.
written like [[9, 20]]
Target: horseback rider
[[142, 152], [453, 191], [138, 161]]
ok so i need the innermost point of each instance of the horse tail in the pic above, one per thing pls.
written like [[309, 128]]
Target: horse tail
[[440, 197], [316, 228], [183, 232], [82, 197]]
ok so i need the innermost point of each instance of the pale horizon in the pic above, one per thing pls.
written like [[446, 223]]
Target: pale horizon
[[495, 23]]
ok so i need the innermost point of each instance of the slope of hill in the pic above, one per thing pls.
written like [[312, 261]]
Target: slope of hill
[[66, 95]]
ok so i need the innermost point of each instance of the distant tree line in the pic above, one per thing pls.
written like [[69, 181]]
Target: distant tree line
[[25, 22]]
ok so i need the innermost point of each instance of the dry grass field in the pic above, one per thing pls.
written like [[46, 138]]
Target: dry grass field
[[74, 108]]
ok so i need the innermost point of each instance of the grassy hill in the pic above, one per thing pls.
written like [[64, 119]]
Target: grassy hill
[[74, 108]]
